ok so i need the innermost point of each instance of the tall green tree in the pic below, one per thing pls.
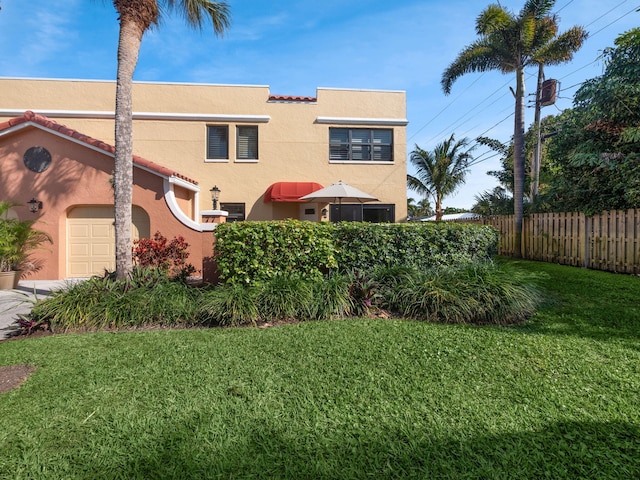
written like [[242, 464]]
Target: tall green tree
[[509, 43], [136, 17], [441, 172], [420, 209], [595, 148]]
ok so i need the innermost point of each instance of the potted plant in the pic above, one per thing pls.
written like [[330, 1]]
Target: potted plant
[[17, 239]]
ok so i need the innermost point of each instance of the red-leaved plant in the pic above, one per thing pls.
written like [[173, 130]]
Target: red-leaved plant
[[159, 253]]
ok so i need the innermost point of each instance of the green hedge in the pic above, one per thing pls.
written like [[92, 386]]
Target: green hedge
[[250, 252]]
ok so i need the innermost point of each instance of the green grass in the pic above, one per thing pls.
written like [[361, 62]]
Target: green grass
[[556, 397]]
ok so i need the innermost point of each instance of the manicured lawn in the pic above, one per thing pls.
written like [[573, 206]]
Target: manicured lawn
[[557, 397]]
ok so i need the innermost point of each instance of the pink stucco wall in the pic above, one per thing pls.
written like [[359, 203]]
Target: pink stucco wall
[[80, 176]]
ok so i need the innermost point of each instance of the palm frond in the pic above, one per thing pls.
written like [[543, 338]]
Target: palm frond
[[538, 8], [492, 19], [199, 12], [562, 48], [481, 56]]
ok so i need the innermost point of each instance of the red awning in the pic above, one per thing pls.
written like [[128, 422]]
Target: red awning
[[290, 191]]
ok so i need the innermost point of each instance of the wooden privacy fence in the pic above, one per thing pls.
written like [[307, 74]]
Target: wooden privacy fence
[[609, 241]]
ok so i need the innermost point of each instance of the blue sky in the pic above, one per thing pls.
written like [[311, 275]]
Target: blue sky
[[295, 46]]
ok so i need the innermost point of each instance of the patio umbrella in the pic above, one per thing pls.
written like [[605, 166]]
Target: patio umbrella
[[338, 192]]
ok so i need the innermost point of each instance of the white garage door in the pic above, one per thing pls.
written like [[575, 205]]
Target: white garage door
[[91, 241]]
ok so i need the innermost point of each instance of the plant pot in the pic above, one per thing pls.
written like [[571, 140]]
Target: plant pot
[[7, 280], [16, 278]]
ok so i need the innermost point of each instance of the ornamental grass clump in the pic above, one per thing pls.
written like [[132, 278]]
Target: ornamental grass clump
[[483, 293], [279, 299], [147, 297], [331, 298], [231, 304]]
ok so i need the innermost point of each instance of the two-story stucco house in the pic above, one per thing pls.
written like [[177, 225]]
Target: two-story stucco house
[[262, 152]]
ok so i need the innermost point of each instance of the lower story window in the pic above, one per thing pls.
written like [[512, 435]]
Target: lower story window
[[356, 212], [236, 211]]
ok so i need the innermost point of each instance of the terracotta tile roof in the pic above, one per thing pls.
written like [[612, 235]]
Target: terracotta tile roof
[[30, 116], [291, 98]]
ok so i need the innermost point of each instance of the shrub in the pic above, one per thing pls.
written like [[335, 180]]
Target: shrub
[[277, 299], [330, 297], [250, 252], [159, 253], [285, 297], [148, 297], [364, 293], [482, 293], [232, 304], [367, 246]]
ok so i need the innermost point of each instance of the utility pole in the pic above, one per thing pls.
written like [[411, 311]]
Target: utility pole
[[535, 164]]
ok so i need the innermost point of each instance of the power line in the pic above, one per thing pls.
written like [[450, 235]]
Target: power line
[[445, 108], [619, 18], [461, 120]]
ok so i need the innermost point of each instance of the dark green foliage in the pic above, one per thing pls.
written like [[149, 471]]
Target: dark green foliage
[[231, 304], [147, 297], [284, 297], [482, 293], [248, 252], [251, 252], [593, 156], [440, 172], [364, 293], [330, 297], [366, 247], [555, 398], [281, 298]]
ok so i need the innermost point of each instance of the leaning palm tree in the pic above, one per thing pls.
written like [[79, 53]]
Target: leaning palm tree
[[136, 17], [441, 172], [510, 43]]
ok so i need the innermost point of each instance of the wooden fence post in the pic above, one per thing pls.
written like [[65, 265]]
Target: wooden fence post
[[586, 239]]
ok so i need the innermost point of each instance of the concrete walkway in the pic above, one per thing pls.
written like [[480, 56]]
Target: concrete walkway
[[20, 301]]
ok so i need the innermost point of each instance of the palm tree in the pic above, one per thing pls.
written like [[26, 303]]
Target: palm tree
[[418, 210], [510, 43], [136, 17], [441, 172]]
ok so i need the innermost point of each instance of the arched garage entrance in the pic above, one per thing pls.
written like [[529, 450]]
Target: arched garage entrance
[[91, 240]]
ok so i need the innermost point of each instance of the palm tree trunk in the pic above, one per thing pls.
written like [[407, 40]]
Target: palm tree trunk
[[438, 208], [128, 48], [518, 163]]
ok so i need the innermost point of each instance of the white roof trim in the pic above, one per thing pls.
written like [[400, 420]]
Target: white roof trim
[[381, 90], [395, 122], [181, 182], [94, 80], [103, 114]]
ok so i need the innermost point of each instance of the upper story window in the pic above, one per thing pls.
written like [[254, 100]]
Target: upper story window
[[361, 144], [217, 142], [247, 142]]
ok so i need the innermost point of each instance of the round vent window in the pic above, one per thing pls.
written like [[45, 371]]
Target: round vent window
[[37, 159]]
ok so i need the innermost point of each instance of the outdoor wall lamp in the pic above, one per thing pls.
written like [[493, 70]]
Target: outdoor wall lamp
[[324, 212], [34, 205], [215, 196]]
